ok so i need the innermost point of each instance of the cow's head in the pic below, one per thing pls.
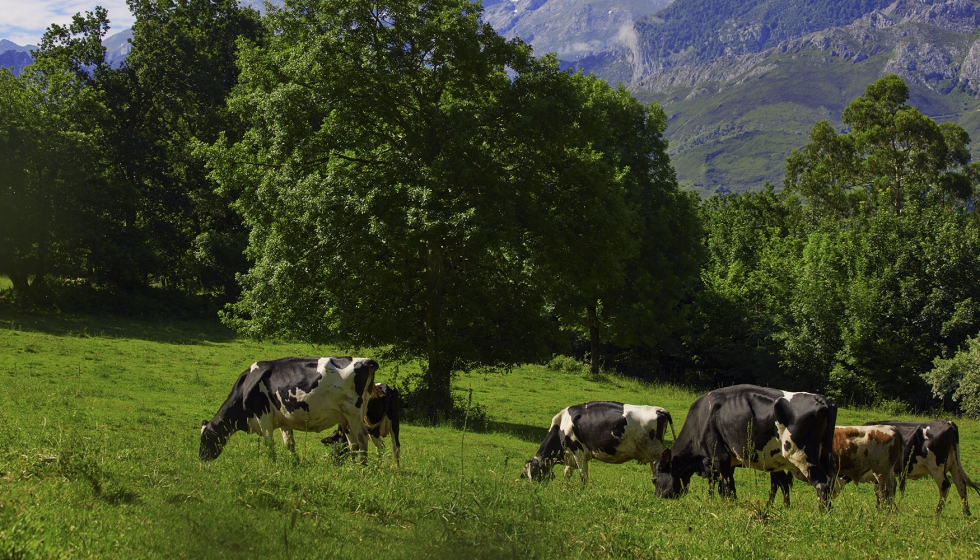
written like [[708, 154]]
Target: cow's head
[[536, 470], [668, 483], [336, 437], [212, 441]]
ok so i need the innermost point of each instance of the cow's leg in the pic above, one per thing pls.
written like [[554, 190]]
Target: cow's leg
[[288, 440], [885, 486], [583, 465], [779, 480], [725, 474], [266, 428], [943, 483], [959, 479], [358, 435]]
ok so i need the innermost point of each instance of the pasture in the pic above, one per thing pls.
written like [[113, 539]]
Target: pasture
[[99, 425]]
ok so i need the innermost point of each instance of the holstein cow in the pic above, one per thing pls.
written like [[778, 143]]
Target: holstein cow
[[306, 394], [932, 449], [610, 432], [862, 454], [381, 420], [756, 427]]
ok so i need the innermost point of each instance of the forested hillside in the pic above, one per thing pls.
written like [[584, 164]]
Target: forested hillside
[[699, 31]]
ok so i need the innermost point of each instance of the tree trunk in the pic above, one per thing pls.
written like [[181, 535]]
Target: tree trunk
[[594, 340], [434, 393]]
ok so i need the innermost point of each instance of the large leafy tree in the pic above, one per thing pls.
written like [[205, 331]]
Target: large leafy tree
[[415, 182]]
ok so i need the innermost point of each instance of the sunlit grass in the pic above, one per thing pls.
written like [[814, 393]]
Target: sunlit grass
[[99, 423]]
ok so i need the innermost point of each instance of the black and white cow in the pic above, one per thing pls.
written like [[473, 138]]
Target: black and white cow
[[756, 427], [610, 432], [381, 420], [932, 449], [306, 394]]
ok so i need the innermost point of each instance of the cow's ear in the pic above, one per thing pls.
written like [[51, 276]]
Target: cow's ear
[[665, 457]]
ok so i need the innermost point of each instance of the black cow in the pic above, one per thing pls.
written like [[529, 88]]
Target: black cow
[[306, 394], [932, 449], [756, 427], [610, 432], [381, 420]]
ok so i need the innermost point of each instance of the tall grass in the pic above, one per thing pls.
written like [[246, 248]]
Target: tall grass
[[99, 424]]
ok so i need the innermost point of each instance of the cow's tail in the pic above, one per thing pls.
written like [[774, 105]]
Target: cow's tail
[[670, 421], [959, 465]]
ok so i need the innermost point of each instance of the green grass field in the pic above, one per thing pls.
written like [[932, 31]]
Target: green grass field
[[98, 458]]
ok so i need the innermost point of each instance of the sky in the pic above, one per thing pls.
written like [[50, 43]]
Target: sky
[[24, 21]]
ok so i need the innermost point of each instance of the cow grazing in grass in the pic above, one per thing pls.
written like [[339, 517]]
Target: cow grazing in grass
[[868, 453], [306, 394], [932, 449], [381, 420], [756, 427], [862, 454], [610, 432]]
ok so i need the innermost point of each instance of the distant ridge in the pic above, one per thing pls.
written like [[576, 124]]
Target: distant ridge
[[17, 57]]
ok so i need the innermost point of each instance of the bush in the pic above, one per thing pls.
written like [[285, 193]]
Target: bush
[[567, 364], [958, 377]]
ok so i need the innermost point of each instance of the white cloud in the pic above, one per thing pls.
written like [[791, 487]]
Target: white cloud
[[24, 21]]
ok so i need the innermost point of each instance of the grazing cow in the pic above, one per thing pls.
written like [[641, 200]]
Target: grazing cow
[[610, 432], [868, 453], [381, 420], [756, 427], [306, 394], [932, 449], [862, 454]]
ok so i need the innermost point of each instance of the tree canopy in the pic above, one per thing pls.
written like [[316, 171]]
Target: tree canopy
[[414, 181]]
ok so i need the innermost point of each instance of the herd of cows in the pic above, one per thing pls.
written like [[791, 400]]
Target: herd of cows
[[789, 435]]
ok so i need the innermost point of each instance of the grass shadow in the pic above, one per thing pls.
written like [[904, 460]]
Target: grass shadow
[[533, 434], [171, 331]]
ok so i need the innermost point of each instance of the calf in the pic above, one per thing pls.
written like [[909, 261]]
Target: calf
[[756, 427], [868, 453], [306, 394], [610, 432], [862, 454], [381, 420], [932, 449]]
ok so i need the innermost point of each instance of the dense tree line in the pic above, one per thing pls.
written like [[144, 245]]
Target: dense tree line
[[397, 176], [861, 275]]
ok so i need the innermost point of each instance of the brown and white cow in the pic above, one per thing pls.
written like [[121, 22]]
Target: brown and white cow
[[868, 454], [610, 432], [306, 394], [932, 449]]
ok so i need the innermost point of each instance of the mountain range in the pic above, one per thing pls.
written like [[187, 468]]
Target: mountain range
[[742, 81]]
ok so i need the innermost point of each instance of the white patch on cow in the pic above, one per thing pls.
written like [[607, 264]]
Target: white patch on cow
[[792, 452], [789, 395], [764, 459]]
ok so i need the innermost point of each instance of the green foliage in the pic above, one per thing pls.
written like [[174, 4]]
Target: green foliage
[[413, 181], [860, 272], [958, 377], [566, 364]]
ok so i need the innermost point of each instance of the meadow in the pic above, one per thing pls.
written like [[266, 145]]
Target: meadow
[[99, 425]]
